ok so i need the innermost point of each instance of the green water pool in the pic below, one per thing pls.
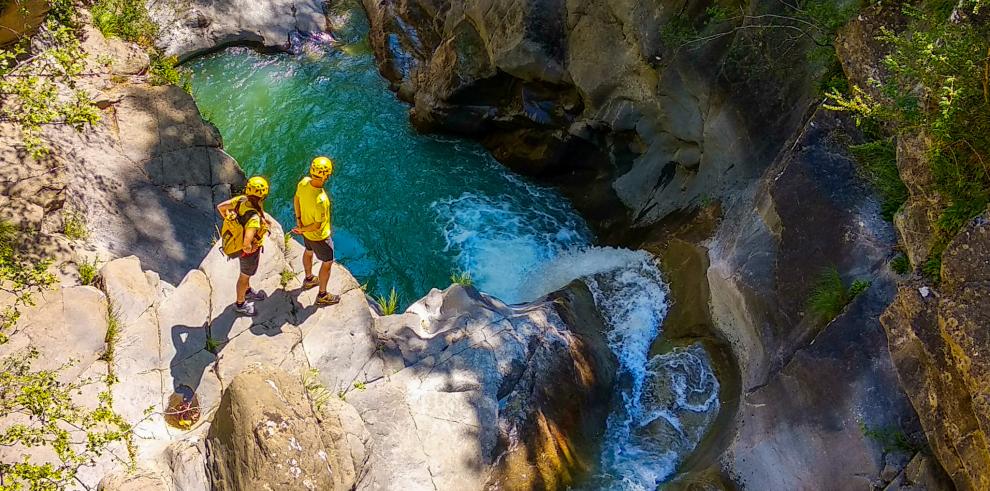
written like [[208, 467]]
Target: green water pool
[[409, 210]]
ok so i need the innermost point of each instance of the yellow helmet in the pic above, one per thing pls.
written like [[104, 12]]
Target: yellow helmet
[[321, 167], [257, 186]]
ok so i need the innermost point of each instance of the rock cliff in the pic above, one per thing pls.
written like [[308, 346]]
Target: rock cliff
[[602, 98]]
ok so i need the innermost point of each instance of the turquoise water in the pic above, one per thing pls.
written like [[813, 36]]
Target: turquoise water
[[410, 209]]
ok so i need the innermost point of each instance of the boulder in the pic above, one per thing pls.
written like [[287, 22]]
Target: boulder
[[187, 29], [474, 403], [137, 480], [266, 435]]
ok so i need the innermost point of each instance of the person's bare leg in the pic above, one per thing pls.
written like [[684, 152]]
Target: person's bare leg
[[325, 275], [308, 263], [243, 283]]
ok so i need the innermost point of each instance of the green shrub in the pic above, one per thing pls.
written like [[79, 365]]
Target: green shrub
[[113, 332], [830, 295], [87, 271], [21, 275], [388, 304], [940, 87], [462, 278], [74, 225], [38, 79], [891, 439], [900, 264], [286, 276], [164, 70], [878, 165], [212, 345], [43, 406], [125, 19]]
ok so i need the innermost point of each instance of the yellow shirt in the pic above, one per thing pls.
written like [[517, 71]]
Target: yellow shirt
[[314, 206], [243, 205]]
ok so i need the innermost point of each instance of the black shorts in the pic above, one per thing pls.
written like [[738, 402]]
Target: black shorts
[[249, 264], [322, 248]]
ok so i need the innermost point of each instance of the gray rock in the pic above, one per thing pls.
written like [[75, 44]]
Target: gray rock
[[191, 28], [266, 436], [587, 93]]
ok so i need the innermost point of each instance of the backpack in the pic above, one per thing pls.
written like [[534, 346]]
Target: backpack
[[232, 233]]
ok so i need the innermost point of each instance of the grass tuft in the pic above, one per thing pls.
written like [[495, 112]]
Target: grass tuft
[[830, 295], [286, 276], [878, 165], [113, 332], [462, 278], [212, 345], [318, 393], [388, 304], [74, 225], [87, 271], [900, 264]]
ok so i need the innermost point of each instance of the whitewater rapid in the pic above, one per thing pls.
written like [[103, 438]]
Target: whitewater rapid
[[663, 404]]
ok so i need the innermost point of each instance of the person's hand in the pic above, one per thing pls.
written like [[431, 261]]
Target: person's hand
[[249, 249], [295, 231]]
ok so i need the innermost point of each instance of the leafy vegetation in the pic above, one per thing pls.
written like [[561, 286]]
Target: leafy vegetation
[[462, 278], [830, 295], [212, 345], [318, 393], [74, 225], [21, 275], [388, 304], [87, 271], [125, 19], [31, 75], [49, 416], [939, 88], [164, 70], [891, 439], [878, 165], [900, 264]]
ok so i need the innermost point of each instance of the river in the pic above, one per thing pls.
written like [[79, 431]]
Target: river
[[411, 210]]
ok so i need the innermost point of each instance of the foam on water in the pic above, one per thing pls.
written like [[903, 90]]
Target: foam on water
[[663, 404]]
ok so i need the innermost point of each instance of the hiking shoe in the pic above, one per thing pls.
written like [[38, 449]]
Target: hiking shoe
[[246, 309], [310, 282], [253, 296], [327, 298]]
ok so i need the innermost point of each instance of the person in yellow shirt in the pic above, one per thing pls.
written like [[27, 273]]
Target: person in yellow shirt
[[249, 210], [313, 215]]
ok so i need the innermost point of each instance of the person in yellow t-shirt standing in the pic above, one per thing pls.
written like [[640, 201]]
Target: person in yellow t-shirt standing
[[313, 215], [248, 209]]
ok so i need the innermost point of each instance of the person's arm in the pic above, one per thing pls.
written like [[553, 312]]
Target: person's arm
[[298, 214], [226, 207], [249, 245]]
